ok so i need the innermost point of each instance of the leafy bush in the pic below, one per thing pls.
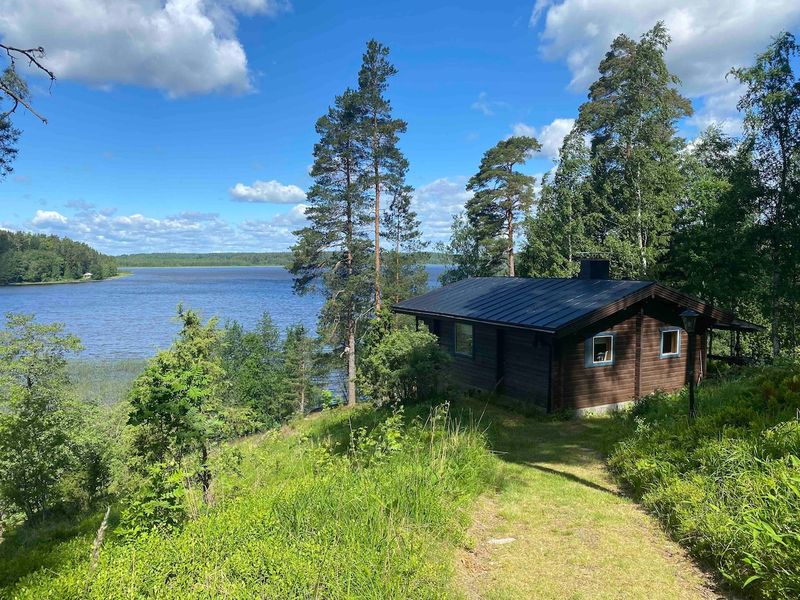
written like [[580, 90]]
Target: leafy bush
[[158, 504], [404, 366], [727, 485]]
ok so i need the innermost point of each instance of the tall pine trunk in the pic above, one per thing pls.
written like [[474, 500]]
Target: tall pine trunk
[[510, 228], [351, 317], [376, 173]]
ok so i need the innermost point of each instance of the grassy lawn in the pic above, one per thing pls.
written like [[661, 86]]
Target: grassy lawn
[[437, 517], [574, 535]]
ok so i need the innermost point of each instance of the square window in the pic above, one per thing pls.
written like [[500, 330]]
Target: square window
[[603, 349], [670, 343], [464, 339]]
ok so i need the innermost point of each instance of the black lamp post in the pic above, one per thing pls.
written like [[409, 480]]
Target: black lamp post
[[689, 322]]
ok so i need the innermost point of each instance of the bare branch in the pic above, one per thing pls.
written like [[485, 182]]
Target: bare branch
[[17, 101], [33, 56]]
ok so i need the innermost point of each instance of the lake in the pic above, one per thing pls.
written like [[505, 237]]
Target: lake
[[133, 317]]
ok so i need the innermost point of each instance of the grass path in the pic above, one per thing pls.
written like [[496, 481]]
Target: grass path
[[574, 535]]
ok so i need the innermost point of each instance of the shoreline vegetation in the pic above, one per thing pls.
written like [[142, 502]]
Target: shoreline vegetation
[[119, 275], [226, 259], [37, 258]]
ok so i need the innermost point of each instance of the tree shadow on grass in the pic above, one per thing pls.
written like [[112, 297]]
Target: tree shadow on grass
[[545, 442], [576, 479]]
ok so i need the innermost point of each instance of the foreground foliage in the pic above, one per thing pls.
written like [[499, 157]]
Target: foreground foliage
[[39, 421], [372, 514], [728, 484]]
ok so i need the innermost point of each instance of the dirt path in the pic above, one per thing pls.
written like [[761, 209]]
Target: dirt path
[[559, 527]]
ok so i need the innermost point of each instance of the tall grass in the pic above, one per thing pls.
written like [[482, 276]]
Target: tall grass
[[357, 505], [104, 382], [727, 485]]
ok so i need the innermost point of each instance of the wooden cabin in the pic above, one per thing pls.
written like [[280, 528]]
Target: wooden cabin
[[584, 344]]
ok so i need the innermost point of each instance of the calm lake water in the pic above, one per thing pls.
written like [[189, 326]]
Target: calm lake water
[[133, 317]]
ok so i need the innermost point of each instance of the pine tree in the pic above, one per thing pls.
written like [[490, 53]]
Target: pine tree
[[501, 193], [631, 115], [332, 252], [556, 235], [387, 165], [404, 273]]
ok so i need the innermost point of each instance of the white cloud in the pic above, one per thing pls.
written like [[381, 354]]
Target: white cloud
[[183, 232], [709, 37], [720, 109], [486, 106], [179, 46], [48, 217], [436, 202], [272, 192], [550, 136]]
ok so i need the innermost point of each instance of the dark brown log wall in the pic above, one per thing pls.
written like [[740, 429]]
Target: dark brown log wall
[[580, 386], [524, 370]]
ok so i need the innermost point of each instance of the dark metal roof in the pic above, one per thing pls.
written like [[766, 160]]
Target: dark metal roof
[[542, 304], [739, 325]]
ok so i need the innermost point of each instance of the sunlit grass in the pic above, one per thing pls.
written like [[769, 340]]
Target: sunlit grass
[[303, 515]]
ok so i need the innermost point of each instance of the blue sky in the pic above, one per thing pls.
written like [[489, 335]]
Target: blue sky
[[189, 125]]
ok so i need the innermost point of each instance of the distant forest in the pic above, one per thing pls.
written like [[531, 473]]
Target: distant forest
[[222, 259], [39, 258]]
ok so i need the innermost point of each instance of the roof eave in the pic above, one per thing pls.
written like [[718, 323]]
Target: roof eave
[[425, 313], [606, 311]]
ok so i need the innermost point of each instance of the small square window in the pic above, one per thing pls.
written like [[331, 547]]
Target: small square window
[[602, 349], [670, 343], [464, 339]]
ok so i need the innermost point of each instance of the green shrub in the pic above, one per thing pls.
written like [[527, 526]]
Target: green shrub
[[365, 504], [157, 505], [404, 366], [726, 485]]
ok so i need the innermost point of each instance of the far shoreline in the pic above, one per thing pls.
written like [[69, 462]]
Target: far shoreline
[[119, 275]]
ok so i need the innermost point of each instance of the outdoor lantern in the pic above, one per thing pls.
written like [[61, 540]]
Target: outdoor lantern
[[689, 321]]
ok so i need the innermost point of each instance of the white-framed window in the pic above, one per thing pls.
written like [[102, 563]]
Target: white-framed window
[[464, 339], [600, 350], [670, 344]]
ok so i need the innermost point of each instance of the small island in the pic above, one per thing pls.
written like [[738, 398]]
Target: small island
[[28, 258]]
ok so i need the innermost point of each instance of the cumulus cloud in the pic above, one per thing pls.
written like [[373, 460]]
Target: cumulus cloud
[[271, 192], [49, 218], [720, 109], [183, 232], [436, 203], [182, 47], [709, 37], [550, 136]]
